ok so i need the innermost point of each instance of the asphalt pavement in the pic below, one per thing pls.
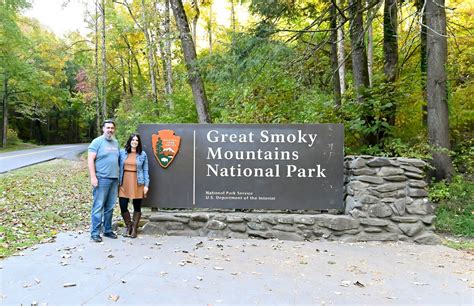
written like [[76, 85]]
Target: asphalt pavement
[[23, 158], [171, 270]]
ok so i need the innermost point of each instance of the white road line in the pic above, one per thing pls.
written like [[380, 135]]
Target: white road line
[[24, 154]]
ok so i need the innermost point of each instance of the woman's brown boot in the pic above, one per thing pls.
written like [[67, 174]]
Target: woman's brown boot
[[128, 223], [136, 221]]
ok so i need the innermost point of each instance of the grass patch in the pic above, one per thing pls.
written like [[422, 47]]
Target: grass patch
[[38, 202], [455, 206], [18, 146], [459, 245]]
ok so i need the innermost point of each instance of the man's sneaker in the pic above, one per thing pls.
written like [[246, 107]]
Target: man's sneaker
[[110, 235], [96, 239]]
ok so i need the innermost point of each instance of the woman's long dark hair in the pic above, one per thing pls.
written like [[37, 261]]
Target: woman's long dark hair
[[128, 146]]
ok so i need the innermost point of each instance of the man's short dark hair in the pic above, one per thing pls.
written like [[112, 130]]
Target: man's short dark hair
[[108, 121]]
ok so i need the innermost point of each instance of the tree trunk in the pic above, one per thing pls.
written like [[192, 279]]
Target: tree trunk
[[165, 52], [436, 93], [124, 83], [334, 60], [370, 44], [5, 112], [168, 68], [104, 64], [341, 52], [359, 56], [132, 55], [190, 58], [96, 68], [390, 48], [390, 40], [423, 57], [360, 70], [130, 74], [232, 15], [195, 20], [209, 28], [151, 60]]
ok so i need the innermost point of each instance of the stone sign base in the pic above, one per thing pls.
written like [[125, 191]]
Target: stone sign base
[[385, 199], [288, 226]]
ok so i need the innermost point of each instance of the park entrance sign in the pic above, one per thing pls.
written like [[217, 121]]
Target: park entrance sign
[[297, 166]]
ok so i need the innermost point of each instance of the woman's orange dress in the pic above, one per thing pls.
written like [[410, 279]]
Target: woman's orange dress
[[130, 188]]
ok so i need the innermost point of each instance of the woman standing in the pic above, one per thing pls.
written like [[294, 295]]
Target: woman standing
[[134, 181]]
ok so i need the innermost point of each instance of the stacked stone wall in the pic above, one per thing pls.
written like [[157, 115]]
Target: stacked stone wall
[[388, 196], [385, 200]]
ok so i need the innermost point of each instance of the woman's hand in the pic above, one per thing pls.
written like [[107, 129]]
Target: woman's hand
[[145, 191]]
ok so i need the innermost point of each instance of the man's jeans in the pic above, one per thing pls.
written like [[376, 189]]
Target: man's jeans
[[105, 196]]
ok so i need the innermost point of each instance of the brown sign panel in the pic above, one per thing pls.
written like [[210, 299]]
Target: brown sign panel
[[298, 166]]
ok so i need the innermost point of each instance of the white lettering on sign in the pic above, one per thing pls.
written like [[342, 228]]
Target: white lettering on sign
[[214, 136], [276, 154], [300, 137]]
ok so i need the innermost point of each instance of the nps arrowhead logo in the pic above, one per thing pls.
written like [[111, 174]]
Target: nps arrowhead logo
[[165, 147]]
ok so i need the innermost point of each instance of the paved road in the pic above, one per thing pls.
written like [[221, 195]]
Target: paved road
[[19, 159], [171, 270]]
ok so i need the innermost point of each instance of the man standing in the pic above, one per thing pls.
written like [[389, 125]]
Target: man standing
[[103, 164]]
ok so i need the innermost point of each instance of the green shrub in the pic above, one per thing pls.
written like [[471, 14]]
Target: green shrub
[[455, 206], [12, 137]]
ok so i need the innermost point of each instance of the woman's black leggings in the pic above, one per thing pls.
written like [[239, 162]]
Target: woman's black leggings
[[137, 205]]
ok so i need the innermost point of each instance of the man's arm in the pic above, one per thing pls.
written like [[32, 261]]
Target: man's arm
[[91, 164]]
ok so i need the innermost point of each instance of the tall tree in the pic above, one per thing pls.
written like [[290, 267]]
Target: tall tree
[[232, 18], [12, 65], [390, 40], [436, 82], [104, 62], [421, 8], [334, 59], [390, 48], [359, 54], [370, 42], [167, 54], [151, 58], [341, 51], [209, 27], [197, 13], [96, 67], [190, 58]]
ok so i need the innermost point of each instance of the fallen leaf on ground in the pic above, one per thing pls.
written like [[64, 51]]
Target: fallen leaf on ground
[[359, 284], [420, 283], [113, 297]]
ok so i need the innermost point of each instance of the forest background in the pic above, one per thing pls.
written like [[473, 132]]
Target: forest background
[[397, 74]]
